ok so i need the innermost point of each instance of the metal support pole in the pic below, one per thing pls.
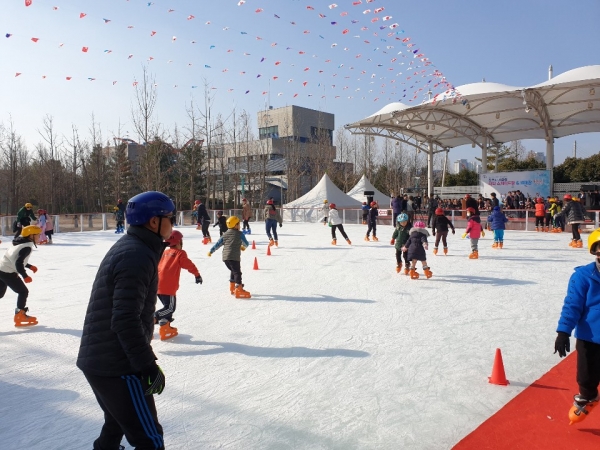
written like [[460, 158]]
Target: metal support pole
[[430, 168], [484, 149], [550, 161]]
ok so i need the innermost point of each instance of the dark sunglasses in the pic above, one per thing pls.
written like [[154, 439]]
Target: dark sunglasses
[[172, 218]]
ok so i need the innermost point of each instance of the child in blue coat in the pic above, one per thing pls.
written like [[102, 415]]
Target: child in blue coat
[[580, 311], [497, 221]]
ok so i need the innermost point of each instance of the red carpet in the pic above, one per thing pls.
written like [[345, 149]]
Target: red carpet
[[538, 418]]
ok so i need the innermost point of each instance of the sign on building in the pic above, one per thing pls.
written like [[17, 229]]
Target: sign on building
[[533, 183]]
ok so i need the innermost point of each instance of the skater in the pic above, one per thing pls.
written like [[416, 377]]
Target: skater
[[497, 221], [325, 212], [246, 216], [440, 224], [474, 231], [336, 222], [115, 354], [372, 222], [13, 263], [120, 218], [540, 214], [399, 238], [579, 312], [203, 222], [470, 202], [49, 227], [416, 246], [172, 261], [365, 212], [42, 219], [573, 213], [396, 205], [272, 218], [221, 222], [194, 215], [24, 217], [432, 206], [234, 243]]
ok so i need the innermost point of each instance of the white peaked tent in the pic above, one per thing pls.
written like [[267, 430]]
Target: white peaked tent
[[358, 193], [309, 206]]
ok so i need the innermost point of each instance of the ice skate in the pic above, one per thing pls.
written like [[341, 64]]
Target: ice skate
[[166, 331], [414, 274], [249, 231], [398, 268], [406, 271], [495, 245], [198, 227], [271, 242], [572, 243], [205, 240], [334, 241], [232, 288], [22, 319], [578, 244], [276, 243], [435, 250], [375, 239], [445, 250], [428, 272], [500, 244], [240, 292], [581, 409], [537, 229], [348, 241], [367, 239], [474, 255]]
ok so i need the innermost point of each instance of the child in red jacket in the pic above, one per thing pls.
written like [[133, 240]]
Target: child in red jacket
[[169, 268]]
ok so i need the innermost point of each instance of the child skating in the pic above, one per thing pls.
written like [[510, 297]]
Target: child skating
[[574, 214], [474, 231], [416, 246], [120, 219], [497, 221], [540, 214], [172, 261], [272, 218], [440, 225], [325, 212], [336, 223], [372, 222], [580, 312], [234, 243], [399, 238], [221, 223], [13, 263]]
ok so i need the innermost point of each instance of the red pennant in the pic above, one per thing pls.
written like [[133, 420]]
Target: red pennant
[[84, 49], [82, 15], [69, 78], [28, 2], [19, 73], [35, 39]]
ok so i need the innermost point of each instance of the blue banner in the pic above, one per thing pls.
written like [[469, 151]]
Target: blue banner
[[532, 183]]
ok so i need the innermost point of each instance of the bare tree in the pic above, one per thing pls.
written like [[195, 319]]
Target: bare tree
[[50, 155], [145, 103]]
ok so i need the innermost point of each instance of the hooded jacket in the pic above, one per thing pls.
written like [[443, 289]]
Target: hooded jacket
[[497, 219], [474, 228]]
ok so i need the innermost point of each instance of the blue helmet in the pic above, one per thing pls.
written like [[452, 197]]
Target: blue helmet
[[142, 207], [402, 217]]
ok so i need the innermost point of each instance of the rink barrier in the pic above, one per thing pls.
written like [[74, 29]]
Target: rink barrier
[[520, 220]]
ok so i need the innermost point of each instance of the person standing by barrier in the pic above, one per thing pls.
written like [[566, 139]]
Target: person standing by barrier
[[431, 207], [396, 208], [246, 216]]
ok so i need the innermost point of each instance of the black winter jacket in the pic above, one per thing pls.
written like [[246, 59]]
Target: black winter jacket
[[440, 224], [119, 321]]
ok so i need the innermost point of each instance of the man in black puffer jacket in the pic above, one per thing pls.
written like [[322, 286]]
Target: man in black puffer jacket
[[115, 354]]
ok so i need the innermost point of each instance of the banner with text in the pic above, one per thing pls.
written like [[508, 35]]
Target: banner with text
[[533, 183]]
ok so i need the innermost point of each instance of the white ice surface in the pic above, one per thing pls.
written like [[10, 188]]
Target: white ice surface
[[335, 350]]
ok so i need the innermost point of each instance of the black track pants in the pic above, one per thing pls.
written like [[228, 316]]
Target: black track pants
[[14, 281], [588, 368]]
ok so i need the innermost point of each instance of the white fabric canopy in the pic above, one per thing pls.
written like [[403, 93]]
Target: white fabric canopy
[[310, 204], [357, 192]]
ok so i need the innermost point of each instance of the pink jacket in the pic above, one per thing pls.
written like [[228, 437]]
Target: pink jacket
[[474, 228]]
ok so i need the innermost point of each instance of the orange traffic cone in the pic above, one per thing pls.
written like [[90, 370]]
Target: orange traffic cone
[[269, 251], [498, 375], [253, 245], [255, 264]]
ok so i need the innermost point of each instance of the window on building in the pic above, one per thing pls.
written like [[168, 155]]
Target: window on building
[[321, 135], [269, 132]]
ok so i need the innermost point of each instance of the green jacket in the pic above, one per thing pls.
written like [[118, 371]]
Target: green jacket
[[23, 213], [401, 235]]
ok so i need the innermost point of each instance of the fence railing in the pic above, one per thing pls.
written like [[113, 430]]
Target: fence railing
[[519, 219]]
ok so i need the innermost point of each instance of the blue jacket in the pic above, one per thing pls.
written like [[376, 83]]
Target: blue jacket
[[581, 309], [497, 220]]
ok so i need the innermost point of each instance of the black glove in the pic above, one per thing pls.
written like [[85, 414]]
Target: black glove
[[153, 380], [280, 225], [198, 279], [452, 231], [562, 345]]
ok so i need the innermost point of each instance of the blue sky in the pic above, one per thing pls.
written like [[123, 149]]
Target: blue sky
[[350, 74]]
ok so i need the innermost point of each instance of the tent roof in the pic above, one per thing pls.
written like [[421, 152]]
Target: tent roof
[[324, 190], [357, 192], [564, 105]]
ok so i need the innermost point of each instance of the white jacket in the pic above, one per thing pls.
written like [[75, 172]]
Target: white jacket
[[8, 263], [334, 217]]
